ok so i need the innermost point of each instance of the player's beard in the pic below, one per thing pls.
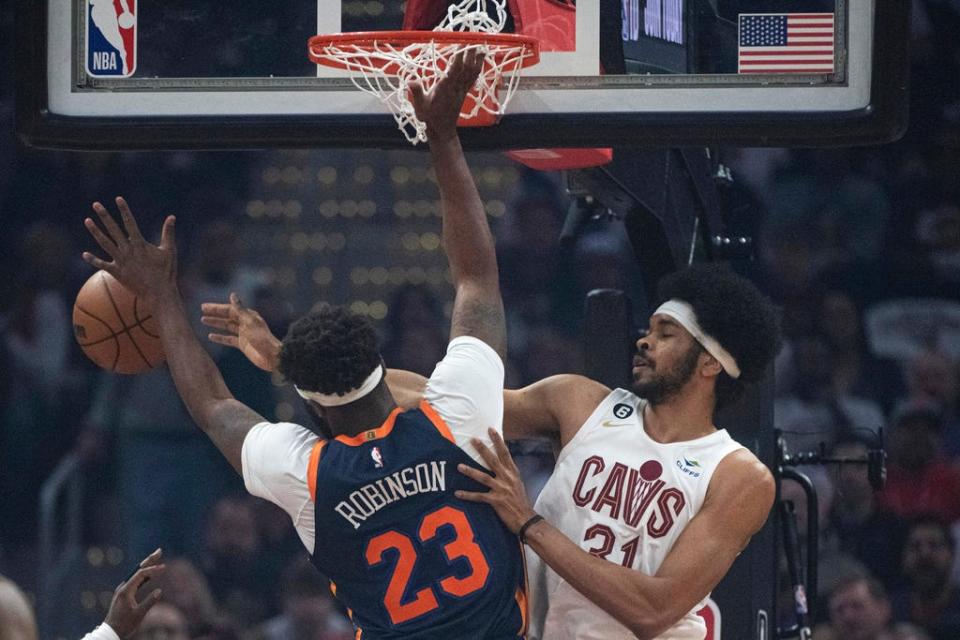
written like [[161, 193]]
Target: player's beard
[[663, 386]]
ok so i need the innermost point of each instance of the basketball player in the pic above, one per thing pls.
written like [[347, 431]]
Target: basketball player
[[649, 503], [126, 612], [374, 505]]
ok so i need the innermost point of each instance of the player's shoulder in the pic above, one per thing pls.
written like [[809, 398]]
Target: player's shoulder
[[575, 388], [742, 474], [572, 400]]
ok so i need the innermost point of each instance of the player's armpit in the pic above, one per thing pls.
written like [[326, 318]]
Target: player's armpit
[[227, 423], [406, 387], [737, 504], [478, 312], [555, 407]]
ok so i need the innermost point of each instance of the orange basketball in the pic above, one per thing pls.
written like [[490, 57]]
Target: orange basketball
[[114, 328]]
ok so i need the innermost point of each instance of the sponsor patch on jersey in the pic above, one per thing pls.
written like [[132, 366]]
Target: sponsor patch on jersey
[[689, 466], [111, 38]]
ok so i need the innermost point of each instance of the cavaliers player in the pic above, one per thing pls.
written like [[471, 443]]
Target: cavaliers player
[[649, 503], [375, 505]]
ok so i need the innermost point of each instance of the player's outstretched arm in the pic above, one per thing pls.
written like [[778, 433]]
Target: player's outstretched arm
[[737, 504], [150, 271], [477, 307]]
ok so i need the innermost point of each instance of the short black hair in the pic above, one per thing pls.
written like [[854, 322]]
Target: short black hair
[[932, 521], [874, 586], [330, 350], [734, 312]]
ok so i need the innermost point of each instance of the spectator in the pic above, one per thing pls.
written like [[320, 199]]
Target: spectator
[[932, 379], [35, 336], [920, 479], [163, 622], [930, 600], [17, 621], [832, 562], [808, 409], [867, 531], [187, 590], [860, 610], [416, 336], [231, 561], [309, 612], [854, 370]]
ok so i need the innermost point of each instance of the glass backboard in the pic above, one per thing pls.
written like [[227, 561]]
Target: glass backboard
[[111, 74]]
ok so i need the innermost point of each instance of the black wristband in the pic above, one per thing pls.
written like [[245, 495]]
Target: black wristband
[[526, 525]]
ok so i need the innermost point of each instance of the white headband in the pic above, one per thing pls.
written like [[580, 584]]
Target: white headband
[[684, 314], [336, 399]]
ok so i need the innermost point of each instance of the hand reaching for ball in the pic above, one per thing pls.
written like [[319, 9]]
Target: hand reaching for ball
[[146, 269]]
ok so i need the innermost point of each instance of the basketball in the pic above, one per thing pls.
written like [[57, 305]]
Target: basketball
[[114, 328], [126, 20]]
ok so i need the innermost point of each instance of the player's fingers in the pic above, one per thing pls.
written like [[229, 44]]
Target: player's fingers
[[167, 234], [475, 474], [97, 263], [474, 65], [152, 559], [500, 447], [235, 301], [105, 243], [129, 222], [143, 574], [149, 601], [113, 230], [473, 496], [416, 93], [493, 463], [224, 324], [225, 340], [215, 309]]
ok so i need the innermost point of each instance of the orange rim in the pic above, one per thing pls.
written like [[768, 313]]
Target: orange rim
[[370, 39]]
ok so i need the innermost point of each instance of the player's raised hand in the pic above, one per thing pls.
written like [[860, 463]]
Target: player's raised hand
[[144, 268], [244, 329], [507, 494], [126, 612], [440, 108]]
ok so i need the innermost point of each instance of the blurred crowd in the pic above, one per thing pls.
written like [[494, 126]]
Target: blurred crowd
[[860, 247]]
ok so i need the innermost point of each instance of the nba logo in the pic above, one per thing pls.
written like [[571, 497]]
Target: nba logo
[[377, 457], [111, 38]]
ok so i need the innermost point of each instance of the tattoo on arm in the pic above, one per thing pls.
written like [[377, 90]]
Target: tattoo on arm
[[229, 422], [483, 319]]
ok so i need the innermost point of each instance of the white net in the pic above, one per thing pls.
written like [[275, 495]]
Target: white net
[[386, 69]]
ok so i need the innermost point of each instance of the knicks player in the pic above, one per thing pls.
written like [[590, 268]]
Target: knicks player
[[375, 505], [649, 503]]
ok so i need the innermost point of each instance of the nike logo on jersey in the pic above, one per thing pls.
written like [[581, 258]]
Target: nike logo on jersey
[[611, 423]]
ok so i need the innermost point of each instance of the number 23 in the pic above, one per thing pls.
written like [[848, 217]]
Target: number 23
[[425, 600]]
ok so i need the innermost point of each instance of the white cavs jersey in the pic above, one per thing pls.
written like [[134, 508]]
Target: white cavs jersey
[[625, 498]]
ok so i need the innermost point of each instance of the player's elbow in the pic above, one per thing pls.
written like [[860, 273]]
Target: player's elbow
[[647, 627]]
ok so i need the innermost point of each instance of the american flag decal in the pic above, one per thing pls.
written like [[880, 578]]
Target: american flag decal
[[786, 43]]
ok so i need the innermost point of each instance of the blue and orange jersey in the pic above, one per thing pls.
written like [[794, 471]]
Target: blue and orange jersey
[[404, 555]]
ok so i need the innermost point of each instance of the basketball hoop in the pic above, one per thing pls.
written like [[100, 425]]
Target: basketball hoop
[[384, 63]]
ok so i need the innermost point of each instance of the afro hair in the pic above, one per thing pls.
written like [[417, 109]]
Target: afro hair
[[329, 350], [732, 310]]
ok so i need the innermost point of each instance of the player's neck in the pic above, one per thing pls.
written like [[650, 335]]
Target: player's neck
[[367, 413], [684, 416]]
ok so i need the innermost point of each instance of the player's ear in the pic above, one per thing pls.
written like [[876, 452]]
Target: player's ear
[[710, 366]]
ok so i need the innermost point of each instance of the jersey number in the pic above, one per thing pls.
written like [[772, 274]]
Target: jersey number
[[424, 601], [607, 539]]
